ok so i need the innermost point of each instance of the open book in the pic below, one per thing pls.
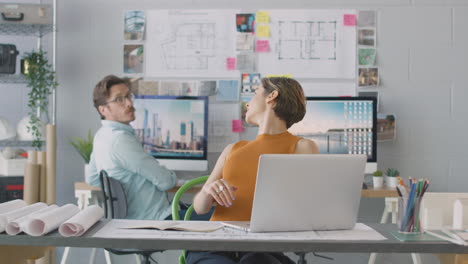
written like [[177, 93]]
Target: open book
[[194, 226]]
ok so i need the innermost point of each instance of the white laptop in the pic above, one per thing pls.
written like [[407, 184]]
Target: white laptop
[[300, 192]]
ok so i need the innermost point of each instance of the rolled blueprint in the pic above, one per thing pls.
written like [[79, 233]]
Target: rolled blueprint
[[50, 220], [81, 222], [51, 142], [17, 226], [31, 183], [32, 156], [41, 160], [11, 205], [20, 212]]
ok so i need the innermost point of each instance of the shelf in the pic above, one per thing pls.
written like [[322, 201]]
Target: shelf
[[25, 29], [12, 78], [16, 143]]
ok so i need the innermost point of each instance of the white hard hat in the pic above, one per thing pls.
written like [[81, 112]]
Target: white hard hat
[[6, 130], [22, 130]]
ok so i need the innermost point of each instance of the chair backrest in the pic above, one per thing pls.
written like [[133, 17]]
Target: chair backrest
[[115, 200], [178, 195]]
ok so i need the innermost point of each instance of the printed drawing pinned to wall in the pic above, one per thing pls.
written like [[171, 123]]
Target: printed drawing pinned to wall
[[386, 127], [367, 57], [245, 22], [244, 100], [246, 62], [228, 90], [366, 37], [191, 43], [245, 42], [368, 77], [250, 82], [309, 43], [366, 18], [134, 23], [133, 58]]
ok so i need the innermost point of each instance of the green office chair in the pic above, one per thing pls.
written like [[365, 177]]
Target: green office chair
[[175, 205]]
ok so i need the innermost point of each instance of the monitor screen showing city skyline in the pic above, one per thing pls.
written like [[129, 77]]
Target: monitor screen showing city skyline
[[172, 127]]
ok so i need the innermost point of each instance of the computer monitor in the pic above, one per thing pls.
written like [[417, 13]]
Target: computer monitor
[[341, 125], [173, 129]]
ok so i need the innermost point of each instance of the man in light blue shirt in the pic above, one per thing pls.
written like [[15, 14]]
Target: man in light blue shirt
[[117, 150]]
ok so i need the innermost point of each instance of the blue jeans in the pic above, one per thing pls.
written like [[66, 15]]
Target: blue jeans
[[195, 216], [212, 257]]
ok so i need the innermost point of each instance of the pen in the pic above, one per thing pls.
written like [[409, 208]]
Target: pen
[[449, 239]]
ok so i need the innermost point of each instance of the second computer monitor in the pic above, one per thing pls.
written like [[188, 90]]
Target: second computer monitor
[[174, 130], [341, 125]]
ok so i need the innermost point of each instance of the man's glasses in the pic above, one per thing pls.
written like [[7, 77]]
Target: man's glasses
[[122, 99]]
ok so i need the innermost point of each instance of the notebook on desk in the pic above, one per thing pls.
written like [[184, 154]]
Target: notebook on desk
[[305, 192]]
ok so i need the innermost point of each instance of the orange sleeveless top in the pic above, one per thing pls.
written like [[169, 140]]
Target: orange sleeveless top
[[240, 170]]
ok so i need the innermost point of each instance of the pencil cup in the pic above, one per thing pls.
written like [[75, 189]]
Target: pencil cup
[[409, 221]]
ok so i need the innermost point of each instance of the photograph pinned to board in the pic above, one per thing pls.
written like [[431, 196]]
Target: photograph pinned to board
[[177, 88], [228, 90], [250, 82], [133, 58], [246, 62], [245, 22], [368, 77], [367, 56], [145, 87], [245, 42], [134, 25], [367, 37], [366, 18], [245, 98], [368, 93], [386, 127]]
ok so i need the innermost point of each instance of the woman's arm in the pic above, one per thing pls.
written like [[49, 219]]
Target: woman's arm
[[210, 193], [306, 146]]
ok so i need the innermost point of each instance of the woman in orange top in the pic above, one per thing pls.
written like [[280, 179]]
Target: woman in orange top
[[277, 104]]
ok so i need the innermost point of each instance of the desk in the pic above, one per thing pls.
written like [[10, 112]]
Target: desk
[[391, 245], [87, 195]]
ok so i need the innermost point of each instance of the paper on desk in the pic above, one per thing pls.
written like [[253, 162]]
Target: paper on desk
[[193, 226], [17, 226], [44, 223], [113, 230], [81, 222], [359, 232], [11, 205], [5, 218]]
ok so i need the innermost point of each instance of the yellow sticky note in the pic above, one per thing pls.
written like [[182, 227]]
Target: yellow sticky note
[[279, 75], [262, 17], [263, 31]]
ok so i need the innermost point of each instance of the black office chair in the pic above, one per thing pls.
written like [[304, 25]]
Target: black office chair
[[115, 207]]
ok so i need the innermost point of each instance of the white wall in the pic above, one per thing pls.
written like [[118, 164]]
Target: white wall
[[421, 55]]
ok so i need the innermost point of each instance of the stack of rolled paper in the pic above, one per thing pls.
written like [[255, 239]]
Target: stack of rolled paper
[[39, 219]]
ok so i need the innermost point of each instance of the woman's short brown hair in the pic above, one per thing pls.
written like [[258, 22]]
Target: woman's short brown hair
[[290, 102], [102, 90]]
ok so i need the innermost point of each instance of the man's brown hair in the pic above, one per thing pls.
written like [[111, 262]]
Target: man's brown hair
[[102, 90], [290, 102]]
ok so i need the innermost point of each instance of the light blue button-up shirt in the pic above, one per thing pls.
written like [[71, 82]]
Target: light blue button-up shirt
[[117, 150]]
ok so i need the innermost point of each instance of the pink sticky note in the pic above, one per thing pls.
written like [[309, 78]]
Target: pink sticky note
[[237, 125], [349, 20], [231, 64], [262, 46]]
